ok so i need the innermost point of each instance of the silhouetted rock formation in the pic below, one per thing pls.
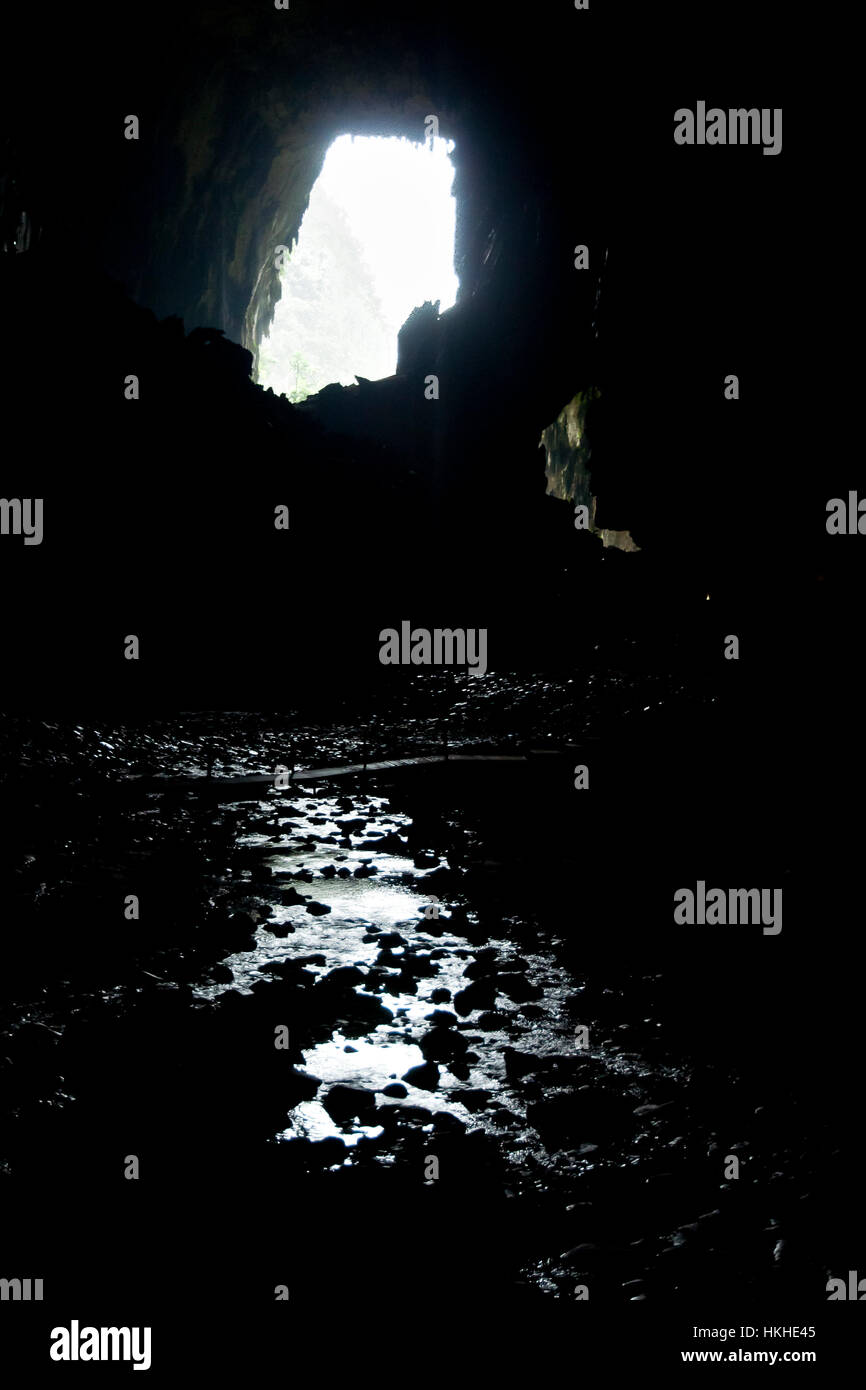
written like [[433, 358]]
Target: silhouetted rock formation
[[415, 343]]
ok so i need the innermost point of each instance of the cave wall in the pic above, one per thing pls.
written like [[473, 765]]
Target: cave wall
[[238, 105], [562, 130]]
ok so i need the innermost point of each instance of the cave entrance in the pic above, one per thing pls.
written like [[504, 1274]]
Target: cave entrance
[[376, 241]]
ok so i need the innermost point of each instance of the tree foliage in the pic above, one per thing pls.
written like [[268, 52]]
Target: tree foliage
[[329, 323]]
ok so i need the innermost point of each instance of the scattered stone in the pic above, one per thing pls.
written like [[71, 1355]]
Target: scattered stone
[[425, 1077], [473, 1099], [443, 1123], [519, 1064], [349, 1102], [344, 977], [300, 1087], [481, 994], [491, 1020], [442, 1044], [516, 987]]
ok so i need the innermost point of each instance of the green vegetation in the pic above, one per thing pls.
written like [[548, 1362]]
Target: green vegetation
[[329, 323]]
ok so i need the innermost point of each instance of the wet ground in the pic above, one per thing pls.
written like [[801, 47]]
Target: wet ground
[[380, 999]]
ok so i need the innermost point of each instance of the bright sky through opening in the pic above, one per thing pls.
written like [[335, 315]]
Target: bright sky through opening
[[394, 197]]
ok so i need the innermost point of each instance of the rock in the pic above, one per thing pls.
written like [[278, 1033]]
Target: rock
[[440, 996], [364, 1009], [425, 1077], [318, 909], [418, 965], [385, 844], [403, 984], [441, 1044], [391, 938], [238, 933], [326, 1153], [343, 977], [481, 994], [414, 1115], [484, 966], [473, 1099], [443, 1123], [377, 979], [395, 1089], [301, 1087], [492, 1020], [519, 1064], [349, 1102], [441, 880], [441, 1018], [516, 987]]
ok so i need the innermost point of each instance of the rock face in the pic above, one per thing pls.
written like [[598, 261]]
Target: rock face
[[239, 112], [414, 336], [568, 452], [553, 148]]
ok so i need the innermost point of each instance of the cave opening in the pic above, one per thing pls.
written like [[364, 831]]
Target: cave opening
[[376, 241]]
